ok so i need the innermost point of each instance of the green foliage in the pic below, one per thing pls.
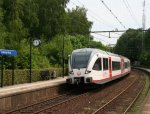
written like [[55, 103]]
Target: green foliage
[[51, 17], [53, 24], [49, 21], [130, 45], [13, 23], [145, 55], [98, 45], [22, 76], [2, 28], [145, 58], [54, 49], [79, 23], [38, 60]]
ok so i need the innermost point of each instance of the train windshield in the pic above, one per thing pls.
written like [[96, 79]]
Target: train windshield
[[80, 60]]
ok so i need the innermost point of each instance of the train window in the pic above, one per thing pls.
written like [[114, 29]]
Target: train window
[[97, 65], [115, 65], [126, 65], [105, 64], [80, 60]]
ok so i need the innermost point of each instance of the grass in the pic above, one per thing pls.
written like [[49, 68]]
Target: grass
[[137, 105]]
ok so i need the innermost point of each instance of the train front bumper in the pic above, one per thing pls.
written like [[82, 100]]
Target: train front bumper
[[79, 80]]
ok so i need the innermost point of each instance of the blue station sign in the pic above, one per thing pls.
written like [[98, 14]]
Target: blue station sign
[[8, 52]]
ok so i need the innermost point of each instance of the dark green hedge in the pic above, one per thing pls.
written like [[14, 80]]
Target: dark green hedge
[[22, 76]]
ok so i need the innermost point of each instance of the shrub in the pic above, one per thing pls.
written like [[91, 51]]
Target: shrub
[[23, 76]]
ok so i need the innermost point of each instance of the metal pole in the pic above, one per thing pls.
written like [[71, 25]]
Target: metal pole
[[30, 80], [143, 25], [63, 58], [89, 43], [2, 62]]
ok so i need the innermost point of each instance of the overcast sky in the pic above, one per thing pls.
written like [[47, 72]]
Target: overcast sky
[[103, 20]]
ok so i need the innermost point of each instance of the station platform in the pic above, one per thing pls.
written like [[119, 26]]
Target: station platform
[[17, 96], [145, 109], [21, 88]]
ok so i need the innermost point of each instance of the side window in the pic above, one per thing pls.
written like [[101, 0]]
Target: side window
[[115, 65], [126, 65], [97, 65], [105, 63]]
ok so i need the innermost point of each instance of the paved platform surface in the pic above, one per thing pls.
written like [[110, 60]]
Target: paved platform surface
[[20, 88], [146, 106]]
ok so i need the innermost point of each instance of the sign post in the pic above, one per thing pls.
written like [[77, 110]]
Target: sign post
[[13, 71], [2, 62], [3, 53]]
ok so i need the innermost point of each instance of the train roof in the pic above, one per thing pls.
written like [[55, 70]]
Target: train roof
[[93, 50]]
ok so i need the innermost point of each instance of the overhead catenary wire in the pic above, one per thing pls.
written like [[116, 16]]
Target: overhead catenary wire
[[95, 16], [97, 20], [127, 5], [97, 33], [113, 14]]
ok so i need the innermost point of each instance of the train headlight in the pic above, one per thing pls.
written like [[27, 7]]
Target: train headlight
[[87, 72], [71, 72]]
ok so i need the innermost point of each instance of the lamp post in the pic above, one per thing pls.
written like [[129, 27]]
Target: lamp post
[[63, 53], [36, 43], [30, 78]]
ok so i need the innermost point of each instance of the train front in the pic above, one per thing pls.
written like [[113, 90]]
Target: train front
[[78, 63]]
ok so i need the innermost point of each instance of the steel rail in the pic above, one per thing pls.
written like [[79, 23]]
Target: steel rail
[[60, 103], [34, 104], [131, 104], [102, 107]]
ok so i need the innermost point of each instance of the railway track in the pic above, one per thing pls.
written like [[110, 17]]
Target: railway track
[[83, 99], [115, 97], [121, 103], [38, 107]]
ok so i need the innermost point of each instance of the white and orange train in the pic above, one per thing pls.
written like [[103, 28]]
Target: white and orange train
[[87, 66]]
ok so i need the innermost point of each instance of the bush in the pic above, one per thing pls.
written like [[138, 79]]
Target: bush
[[22, 76]]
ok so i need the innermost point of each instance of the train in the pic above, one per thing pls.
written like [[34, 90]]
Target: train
[[94, 66]]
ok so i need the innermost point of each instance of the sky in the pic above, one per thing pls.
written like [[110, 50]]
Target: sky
[[128, 12]]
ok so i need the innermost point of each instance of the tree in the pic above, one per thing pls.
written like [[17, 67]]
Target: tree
[[38, 60], [2, 27], [145, 55], [13, 23], [54, 49], [51, 17], [129, 44], [78, 22]]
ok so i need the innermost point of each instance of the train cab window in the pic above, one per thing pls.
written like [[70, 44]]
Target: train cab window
[[97, 65], [105, 63]]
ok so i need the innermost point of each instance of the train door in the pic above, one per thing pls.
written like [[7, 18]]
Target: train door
[[122, 66], [97, 69], [110, 67], [105, 67]]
